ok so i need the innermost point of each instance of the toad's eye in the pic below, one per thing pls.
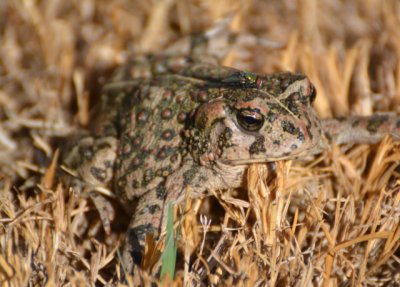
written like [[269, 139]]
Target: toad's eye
[[250, 120]]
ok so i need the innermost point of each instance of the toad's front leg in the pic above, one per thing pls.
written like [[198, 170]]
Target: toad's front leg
[[150, 214], [150, 217], [147, 219], [362, 129]]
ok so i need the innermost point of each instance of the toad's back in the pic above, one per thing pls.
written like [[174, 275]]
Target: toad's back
[[152, 115]]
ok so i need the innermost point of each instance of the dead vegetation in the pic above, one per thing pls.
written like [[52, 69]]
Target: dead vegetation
[[332, 220]]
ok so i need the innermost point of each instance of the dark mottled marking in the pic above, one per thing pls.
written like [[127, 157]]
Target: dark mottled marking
[[161, 191], [164, 171], [137, 141], [126, 149], [141, 231], [292, 103], [98, 173], [224, 140], [308, 127], [398, 124], [136, 162], [181, 117], [309, 132], [285, 80], [159, 172], [86, 153], [148, 176], [355, 123], [276, 142], [146, 149], [106, 129], [108, 164], [277, 109], [375, 122], [150, 209], [145, 93], [168, 134], [271, 117], [258, 146], [142, 116], [200, 96], [189, 175], [133, 239], [228, 133], [161, 154], [293, 147], [247, 97], [164, 152], [103, 146], [121, 182], [199, 183], [289, 127], [166, 114], [135, 183], [300, 135], [201, 121], [167, 95], [179, 98], [174, 158]]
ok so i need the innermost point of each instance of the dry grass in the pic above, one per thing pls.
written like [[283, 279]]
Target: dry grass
[[333, 220]]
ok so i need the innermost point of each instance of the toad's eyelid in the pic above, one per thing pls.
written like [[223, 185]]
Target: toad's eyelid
[[250, 112]]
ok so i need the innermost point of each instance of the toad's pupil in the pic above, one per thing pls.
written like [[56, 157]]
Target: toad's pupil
[[251, 120]]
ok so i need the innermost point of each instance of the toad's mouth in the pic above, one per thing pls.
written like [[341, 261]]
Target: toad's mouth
[[255, 160], [319, 147]]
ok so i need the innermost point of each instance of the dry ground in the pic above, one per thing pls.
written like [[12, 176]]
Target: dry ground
[[330, 220]]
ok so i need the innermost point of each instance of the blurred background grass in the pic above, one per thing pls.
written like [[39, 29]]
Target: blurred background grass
[[54, 57]]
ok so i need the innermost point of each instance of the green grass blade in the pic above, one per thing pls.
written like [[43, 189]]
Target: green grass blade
[[169, 255]]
